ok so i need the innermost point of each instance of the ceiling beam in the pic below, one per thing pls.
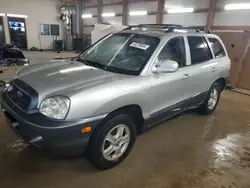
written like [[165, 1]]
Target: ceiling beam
[[105, 5], [141, 1], [210, 15], [231, 27], [119, 3], [90, 6], [160, 11]]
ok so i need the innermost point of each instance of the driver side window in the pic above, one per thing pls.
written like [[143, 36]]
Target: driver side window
[[174, 50]]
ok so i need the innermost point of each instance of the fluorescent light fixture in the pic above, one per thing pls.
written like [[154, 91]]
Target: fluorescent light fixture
[[86, 15], [2, 14], [138, 13], [180, 10], [17, 15], [242, 6], [109, 14]]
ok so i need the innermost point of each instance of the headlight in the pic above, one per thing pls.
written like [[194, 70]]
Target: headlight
[[55, 107]]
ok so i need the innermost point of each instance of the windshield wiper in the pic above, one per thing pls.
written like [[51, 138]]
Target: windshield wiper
[[82, 60], [97, 64]]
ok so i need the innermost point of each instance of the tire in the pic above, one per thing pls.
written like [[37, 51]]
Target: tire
[[100, 141], [206, 108]]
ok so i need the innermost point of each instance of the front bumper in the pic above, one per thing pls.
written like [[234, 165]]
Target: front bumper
[[63, 137]]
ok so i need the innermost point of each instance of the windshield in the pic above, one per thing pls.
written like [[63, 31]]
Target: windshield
[[124, 53]]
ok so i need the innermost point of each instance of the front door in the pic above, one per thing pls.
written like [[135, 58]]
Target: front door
[[169, 91]]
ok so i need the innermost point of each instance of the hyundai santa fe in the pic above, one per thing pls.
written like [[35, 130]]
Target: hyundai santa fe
[[122, 85]]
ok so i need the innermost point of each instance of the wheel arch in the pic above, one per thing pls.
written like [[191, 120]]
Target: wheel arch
[[222, 82], [134, 110]]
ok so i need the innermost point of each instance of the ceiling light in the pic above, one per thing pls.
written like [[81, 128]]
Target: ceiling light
[[138, 13], [237, 6], [17, 15], [180, 10], [2, 14], [86, 15], [110, 14]]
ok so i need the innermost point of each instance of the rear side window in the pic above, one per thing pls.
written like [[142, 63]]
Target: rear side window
[[174, 50], [217, 48], [199, 50]]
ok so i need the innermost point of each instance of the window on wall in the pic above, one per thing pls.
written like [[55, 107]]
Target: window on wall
[[49, 29], [45, 29]]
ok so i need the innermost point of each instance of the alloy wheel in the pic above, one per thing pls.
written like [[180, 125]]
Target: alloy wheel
[[213, 98], [116, 142]]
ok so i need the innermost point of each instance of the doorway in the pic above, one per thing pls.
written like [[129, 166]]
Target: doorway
[[2, 35], [17, 28]]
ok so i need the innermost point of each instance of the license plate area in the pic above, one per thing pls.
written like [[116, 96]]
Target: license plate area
[[24, 132], [12, 121]]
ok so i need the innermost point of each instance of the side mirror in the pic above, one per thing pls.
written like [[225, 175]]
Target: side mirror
[[166, 66]]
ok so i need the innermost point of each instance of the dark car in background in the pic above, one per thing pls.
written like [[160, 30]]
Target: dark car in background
[[12, 56]]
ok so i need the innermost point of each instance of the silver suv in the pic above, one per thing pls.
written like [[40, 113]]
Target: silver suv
[[122, 85]]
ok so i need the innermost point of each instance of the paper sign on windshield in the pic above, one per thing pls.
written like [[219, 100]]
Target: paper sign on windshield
[[139, 45]]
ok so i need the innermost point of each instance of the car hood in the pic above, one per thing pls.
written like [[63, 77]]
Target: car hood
[[60, 77]]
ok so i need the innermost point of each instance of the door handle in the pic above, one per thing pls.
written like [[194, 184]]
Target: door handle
[[214, 69], [185, 76]]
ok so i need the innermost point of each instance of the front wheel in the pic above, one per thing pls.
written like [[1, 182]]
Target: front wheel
[[112, 141], [211, 102]]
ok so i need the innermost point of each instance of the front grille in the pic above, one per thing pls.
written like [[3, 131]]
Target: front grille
[[19, 98], [23, 95]]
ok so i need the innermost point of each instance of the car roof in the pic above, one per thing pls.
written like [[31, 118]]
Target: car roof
[[144, 32], [167, 30], [162, 35]]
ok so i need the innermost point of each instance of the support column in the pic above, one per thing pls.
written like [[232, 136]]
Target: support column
[[210, 15], [81, 6], [160, 11], [99, 11], [6, 29], [125, 12]]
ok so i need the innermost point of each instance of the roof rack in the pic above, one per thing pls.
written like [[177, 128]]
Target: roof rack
[[167, 28]]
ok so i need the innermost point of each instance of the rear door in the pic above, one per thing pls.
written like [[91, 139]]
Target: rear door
[[223, 62], [201, 68]]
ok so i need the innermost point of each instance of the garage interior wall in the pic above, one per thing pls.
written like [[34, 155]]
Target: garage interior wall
[[197, 18], [38, 12], [234, 18], [149, 6], [231, 26]]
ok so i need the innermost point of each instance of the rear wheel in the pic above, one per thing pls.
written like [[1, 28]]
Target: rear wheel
[[112, 141], [211, 102]]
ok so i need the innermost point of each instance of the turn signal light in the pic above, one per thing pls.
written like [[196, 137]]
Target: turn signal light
[[86, 129]]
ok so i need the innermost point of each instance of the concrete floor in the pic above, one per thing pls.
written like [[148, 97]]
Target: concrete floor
[[188, 151]]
